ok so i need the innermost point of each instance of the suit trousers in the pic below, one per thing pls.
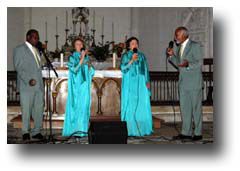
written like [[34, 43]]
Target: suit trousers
[[191, 109], [32, 104]]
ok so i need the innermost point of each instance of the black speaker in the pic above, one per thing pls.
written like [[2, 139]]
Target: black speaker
[[107, 132]]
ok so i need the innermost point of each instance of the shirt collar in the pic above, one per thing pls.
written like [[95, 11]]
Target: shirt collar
[[185, 42], [28, 44]]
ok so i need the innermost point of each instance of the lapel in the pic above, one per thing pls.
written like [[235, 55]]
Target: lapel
[[187, 48], [30, 54], [27, 50]]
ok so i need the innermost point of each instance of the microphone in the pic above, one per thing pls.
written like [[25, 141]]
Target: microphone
[[82, 49], [135, 50], [39, 46], [171, 44]]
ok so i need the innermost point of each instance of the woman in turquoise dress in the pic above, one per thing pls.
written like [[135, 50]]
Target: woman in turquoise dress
[[79, 92], [135, 94]]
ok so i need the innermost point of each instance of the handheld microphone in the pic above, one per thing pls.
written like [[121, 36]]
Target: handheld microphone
[[135, 50], [82, 49], [40, 48], [171, 44]]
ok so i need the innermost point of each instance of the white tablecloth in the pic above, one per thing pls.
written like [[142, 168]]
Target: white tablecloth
[[98, 73]]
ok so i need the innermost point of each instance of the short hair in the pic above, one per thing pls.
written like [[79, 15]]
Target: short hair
[[184, 29], [77, 39], [31, 31], [128, 42]]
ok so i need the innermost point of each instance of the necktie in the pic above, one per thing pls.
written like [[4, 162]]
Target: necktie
[[36, 56], [181, 51]]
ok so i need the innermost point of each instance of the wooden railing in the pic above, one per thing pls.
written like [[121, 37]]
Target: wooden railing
[[164, 88], [13, 98]]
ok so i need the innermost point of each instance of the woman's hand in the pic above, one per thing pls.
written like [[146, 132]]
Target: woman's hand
[[83, 54], [148, 85], [135, 57]]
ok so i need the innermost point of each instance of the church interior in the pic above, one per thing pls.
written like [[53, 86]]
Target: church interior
[[105, 31]]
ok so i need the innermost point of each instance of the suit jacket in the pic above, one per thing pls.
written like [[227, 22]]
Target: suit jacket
[[190, 78], [27, 69]]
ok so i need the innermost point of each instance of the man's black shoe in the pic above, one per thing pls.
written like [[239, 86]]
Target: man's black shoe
[[182, 137], [38, 136], [26, 137], [197, 137]]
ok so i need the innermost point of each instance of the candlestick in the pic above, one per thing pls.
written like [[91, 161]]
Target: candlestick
[[112, 31], [102, 36], [125, 38], [74, 27], [94, 20], [66, 37], [46, 43], [102, 26], [80, 31], [46, 31], [66, 20], [57, 49], [86, 29], [93, 37], [56, 25]]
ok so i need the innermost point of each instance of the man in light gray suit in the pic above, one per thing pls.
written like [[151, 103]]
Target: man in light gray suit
[[30, 84], [188, 58]]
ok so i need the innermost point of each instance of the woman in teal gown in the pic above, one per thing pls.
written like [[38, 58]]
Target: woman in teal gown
[[79, 92], [135, 94]]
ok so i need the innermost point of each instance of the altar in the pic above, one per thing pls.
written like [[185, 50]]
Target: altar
[[105, 93]]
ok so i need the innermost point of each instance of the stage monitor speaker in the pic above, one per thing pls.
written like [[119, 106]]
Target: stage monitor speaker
[[107, 132]]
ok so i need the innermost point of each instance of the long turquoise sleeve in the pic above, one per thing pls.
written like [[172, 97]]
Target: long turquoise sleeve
[[73, 64], [125, 66]]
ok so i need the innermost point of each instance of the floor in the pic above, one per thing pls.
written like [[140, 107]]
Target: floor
[[160, 136]]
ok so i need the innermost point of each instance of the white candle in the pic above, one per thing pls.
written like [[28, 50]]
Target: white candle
[[102, 26], [46, 31], [114, 59], [56, 26], [61, 59], [94, 20], [66, 20], [112, 31]]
